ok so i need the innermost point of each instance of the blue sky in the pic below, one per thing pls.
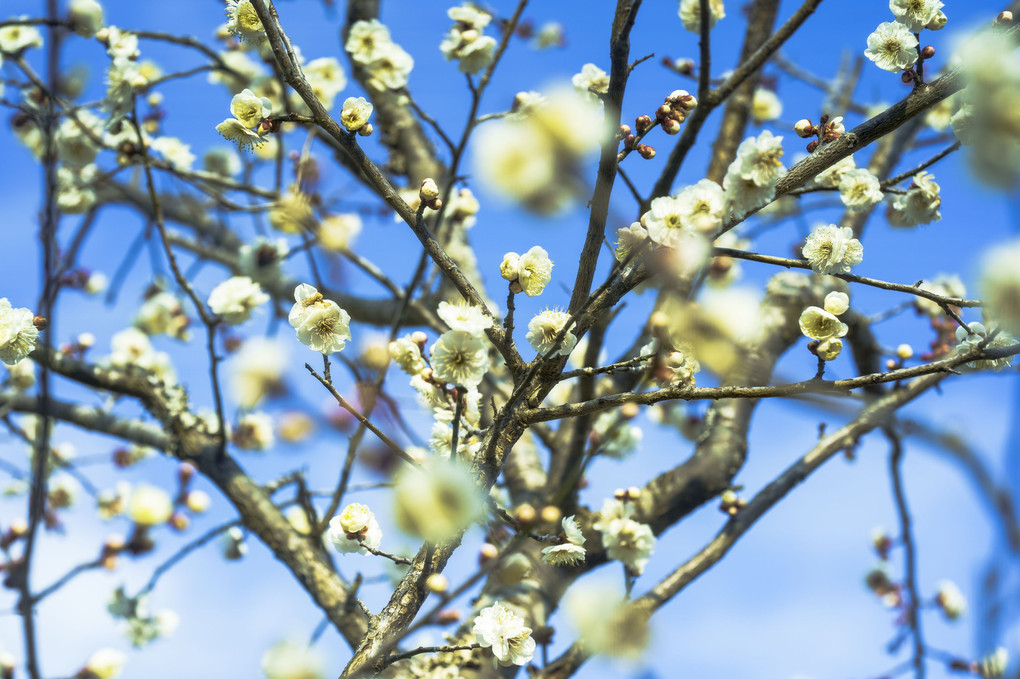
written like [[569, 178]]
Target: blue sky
[[789, 600]]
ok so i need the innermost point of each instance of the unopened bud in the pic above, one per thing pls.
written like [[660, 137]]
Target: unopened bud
[[434, 204], [551, 514], [365, 130], [620, 494], [904, 351], [928, 52], [646, 151], [185, 472], [40, 322], [804, 128], [907, 77], [629, 410], [86, 340], [629, 141], [428, 191], [688, 103], [525, 514], [437, 583], [1005, 17], [663, 112], [633, 493], [812, 145], [179, 521], [658, 320], [448, 616], [642, 123], [890, 364], [419, 338], [684, 66], [671, 125], [487, 553], [625, 130]]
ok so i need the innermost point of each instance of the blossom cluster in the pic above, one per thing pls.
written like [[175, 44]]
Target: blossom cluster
[[370, 46], [465, 41]]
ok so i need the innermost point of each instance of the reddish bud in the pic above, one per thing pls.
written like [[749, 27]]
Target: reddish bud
[[647, 152], [812, 145], [1005, 17], [642, 123], [928, 52], [907, 77], [40, 322], [671, 126]]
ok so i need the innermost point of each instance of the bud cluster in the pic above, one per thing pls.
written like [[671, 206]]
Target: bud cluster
[[825, 131], [429, 194]]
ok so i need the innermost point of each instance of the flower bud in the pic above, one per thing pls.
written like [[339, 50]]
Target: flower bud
[[428, 191], [487, 553], [551, 514], [1005, 17], [437, 583], [448, 616], [198, 501], [40, 322], [671, 126], [684, 66], [365, 130], [907, 77], [525, 514], [624, 130], [629, 141], [642, 123], [812, 145], [804, 128], [630, 410], [646, 152], [928, 52], [663, 112], [904, 352], [419, 338]]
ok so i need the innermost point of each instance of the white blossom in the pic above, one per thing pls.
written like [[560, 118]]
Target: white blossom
[[974, 335], [460, 358], [320, 323], [860, 190], [354, 529], [832, 249], [106, 663], [1000, 285], [86, 16], [833, 175], [16, 38], [915, 14], [437, 501], [701, 206], [765, 105], [355, 113], [406, 354], [465, 316], [391, 68], [367, 40], [326, 78], [254, 431], [149, 505], [892, 47], [234, 299], [625, 539], [690, 14], [18, 334], [244, 22], [502, 628], [919, 205], [176, 152], [570, 550], [591, 79], [951, 600], [543, 329], [292, 660]]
